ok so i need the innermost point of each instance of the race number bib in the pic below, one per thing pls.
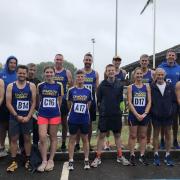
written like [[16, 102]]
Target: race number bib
[[49, 102], [88, 86], [22, 105], [80, 108], [139, 101]]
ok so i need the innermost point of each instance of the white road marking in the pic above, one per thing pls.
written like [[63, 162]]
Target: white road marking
[[65, 172]]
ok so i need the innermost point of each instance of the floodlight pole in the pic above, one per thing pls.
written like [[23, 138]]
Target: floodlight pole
[[154, 34], [93, 42], [116, 28]]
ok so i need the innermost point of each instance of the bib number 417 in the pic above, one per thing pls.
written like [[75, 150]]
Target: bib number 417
[[80, 108]]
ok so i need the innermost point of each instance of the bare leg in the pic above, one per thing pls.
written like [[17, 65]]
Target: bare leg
[[27, 144], [14, 145], [168, 138], [156, 138], [143, 138], [43, 140], [53, 139], [85, 145], [132, 138], [72, 140]]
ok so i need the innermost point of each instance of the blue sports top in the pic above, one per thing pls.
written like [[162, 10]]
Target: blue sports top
[[172, 72], [90, 82], [120, 76], [62, 78], [147, 78], [139, 98], [21, 99], [79, 112], [49, 94]]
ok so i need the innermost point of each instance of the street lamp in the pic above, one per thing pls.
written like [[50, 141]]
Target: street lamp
[[116, 28], [93, 42], [154, 28]]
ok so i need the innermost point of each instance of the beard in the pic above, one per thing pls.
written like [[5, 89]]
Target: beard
[[87, 65]]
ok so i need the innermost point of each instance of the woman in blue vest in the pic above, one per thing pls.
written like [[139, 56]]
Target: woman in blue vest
[[79, 99], [50, 95], [139, 100]]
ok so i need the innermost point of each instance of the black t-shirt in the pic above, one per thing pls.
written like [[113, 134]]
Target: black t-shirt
[[36, 81]]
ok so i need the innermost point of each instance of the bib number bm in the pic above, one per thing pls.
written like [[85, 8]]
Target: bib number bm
[[22, 105]]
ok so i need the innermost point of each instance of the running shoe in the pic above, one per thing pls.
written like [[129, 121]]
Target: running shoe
[[96, 162], [86, 165], [176, 144], [156, 160], [123, 161], [168, 161], [3, 152], [70, 166], [27, 165], [49, 166], [42, 166], [12, 167], [132, 160], [142, 159]]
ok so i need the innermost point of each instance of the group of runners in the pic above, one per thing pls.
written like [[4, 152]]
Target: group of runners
[[29, 106]]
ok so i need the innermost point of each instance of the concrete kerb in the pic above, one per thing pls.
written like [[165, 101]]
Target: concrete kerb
[[60, 156]]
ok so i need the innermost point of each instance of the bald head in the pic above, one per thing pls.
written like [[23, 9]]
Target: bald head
[[160, 75]]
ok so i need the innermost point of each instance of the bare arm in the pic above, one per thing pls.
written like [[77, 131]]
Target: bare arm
[[97, 80], [153, 75], [148, 106], [129, 97], [37, 96], [89, 104], [60, 97], [1, 91], [69, 104], [70, 79], [33, 102], [9, 100]]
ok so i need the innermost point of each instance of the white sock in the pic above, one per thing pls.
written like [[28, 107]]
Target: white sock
[[70, 160], [156, 153], [142, 155], [86, 159], [167, 154]]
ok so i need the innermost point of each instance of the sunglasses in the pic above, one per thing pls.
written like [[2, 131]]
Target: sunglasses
[[117, 60]]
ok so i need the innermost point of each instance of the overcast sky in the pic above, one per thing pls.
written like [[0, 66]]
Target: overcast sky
[[35, 30]]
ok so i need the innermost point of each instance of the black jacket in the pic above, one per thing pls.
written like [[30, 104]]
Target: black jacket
[[109, 96], [163, 106]]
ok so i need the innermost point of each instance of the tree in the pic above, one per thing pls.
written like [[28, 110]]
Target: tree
[[67, 65]]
